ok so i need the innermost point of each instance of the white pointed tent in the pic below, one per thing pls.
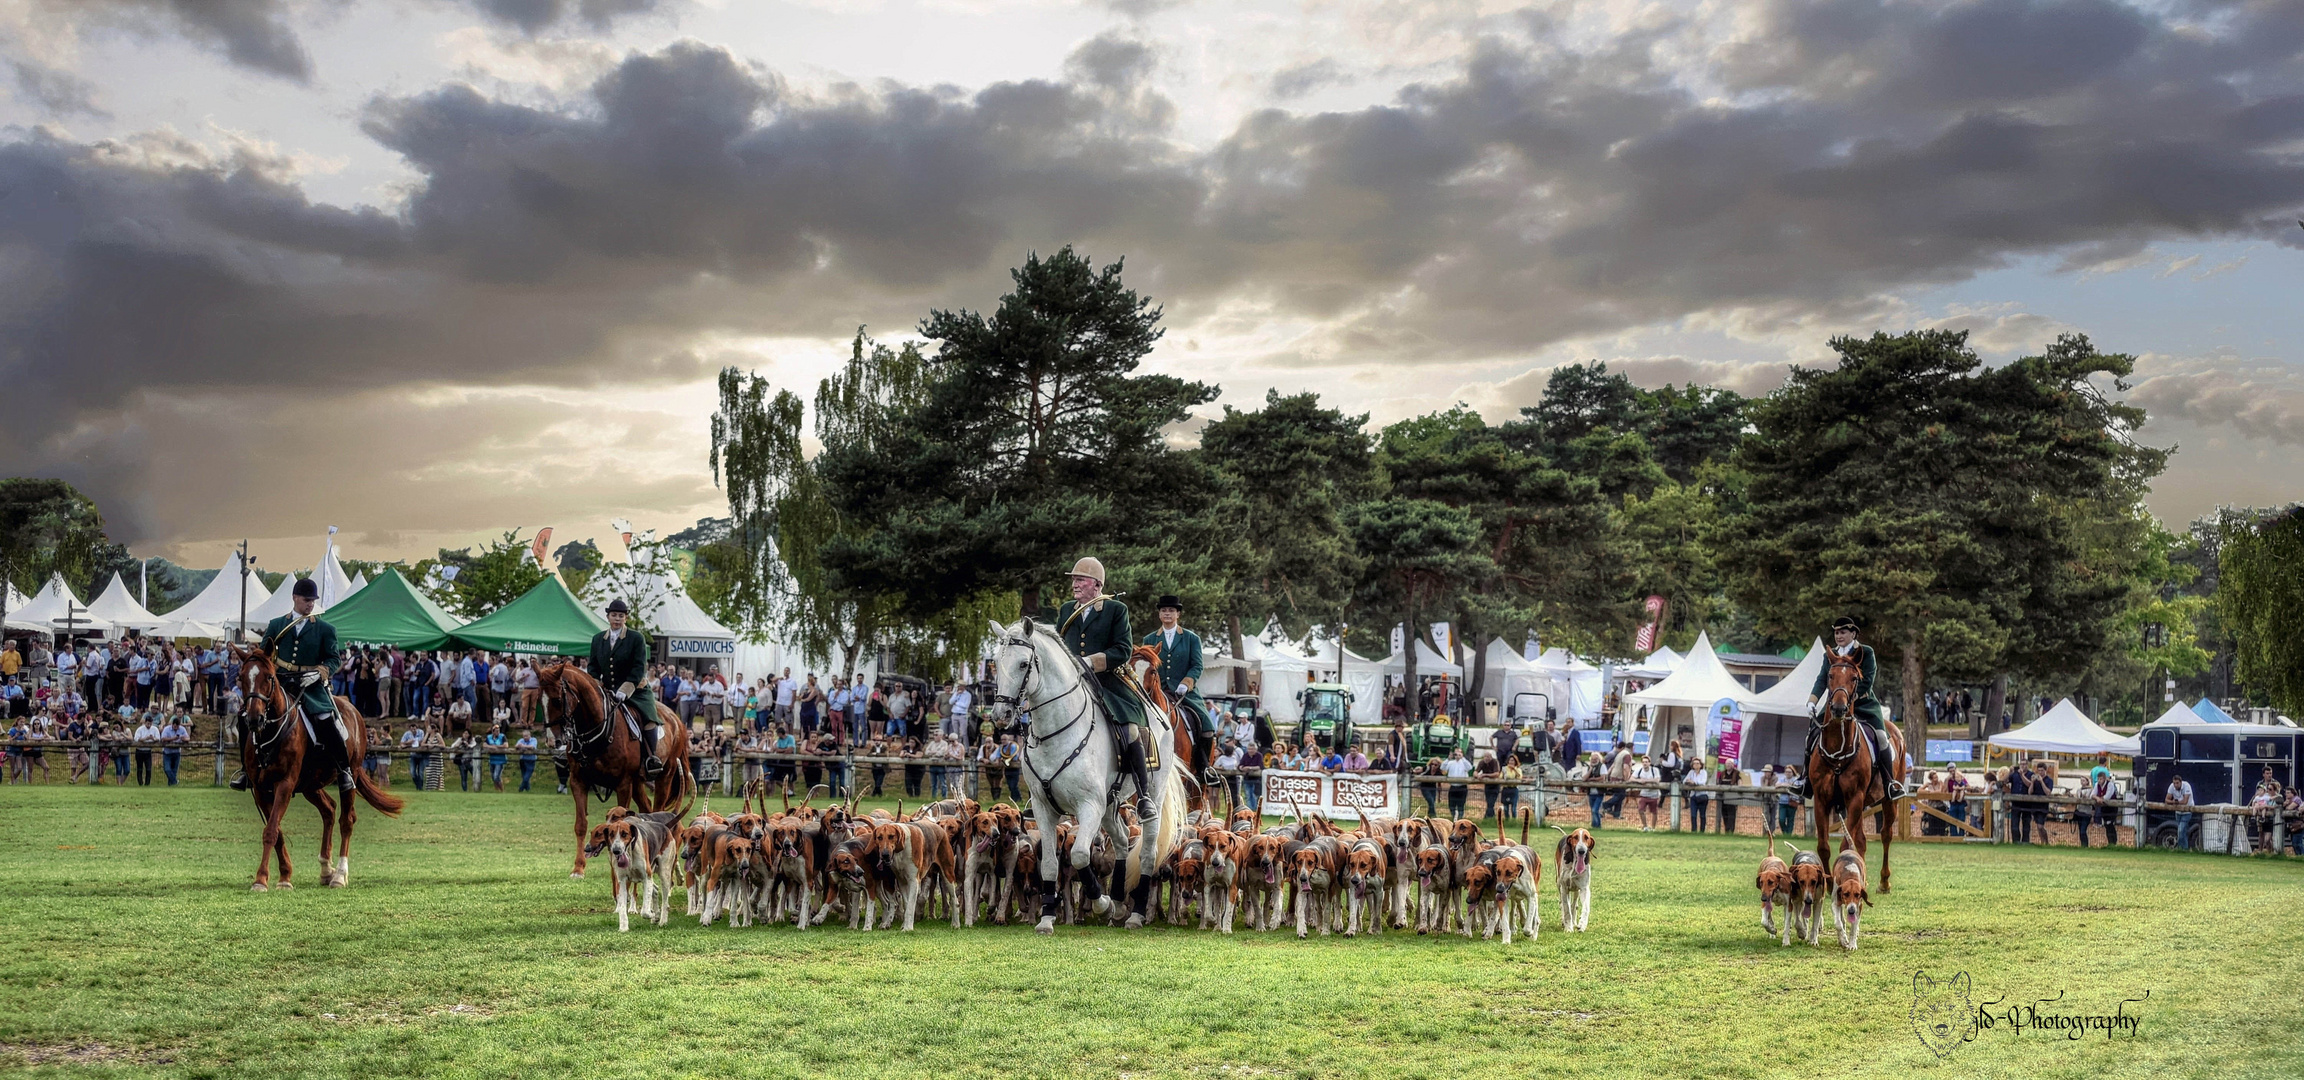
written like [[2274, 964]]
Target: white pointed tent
[[115, 606], [1286, 671], [281, 602], [1577, 687], [1658, 665], [1789, 697], [1776, 719], [669, 611], [1508, 674], [2179, 713], [359, 582], [16, 602], [334, 586], [1683, 697], [218, 605], [1428, 662], [1360, 675], [2065, 730], [46, 610]]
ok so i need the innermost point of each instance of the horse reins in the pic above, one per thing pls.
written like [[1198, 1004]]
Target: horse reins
[[1032, 735]]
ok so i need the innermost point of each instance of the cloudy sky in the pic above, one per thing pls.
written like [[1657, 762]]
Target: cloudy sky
[[430, 269]]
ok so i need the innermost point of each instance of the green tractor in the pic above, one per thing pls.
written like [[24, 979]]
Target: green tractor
[[1434, 738], [1327, 715]]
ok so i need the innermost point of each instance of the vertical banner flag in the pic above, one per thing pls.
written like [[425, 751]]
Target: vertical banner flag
[[1724, 729], [1399, 639], [1443, 642], [327, 578], [1646, 640], [542, 544], [1532, 649]]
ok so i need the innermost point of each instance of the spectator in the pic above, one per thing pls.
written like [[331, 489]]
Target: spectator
[[2103, 805], [76, 732], [1227, 763], [147, 736], [173, 736], [1788, 804], [527, 748], [780, 772], [1728, 775], [785, 691], [1620, 771], [1504, 745], [914, 771], [1512, 772], [2016, 787], [1252, 776], [412, 741], [1651, 797], [460, 755], [1331, 761], [1671, 764], [1488, 769], [1591, 768], [435, 749], [1011, 756], [1699, 802], [2180, 795], [1427, 788], [495, 743], [1354, 760], [1457, 768]]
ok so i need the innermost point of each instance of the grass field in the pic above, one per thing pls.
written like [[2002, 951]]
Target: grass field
[[132, 944]]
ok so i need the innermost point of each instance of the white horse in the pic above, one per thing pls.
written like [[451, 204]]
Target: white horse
[[1070, 765]]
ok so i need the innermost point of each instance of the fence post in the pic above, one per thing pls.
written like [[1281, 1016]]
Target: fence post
[[218, 780], [1678, 800], [1999, 804], [2279, 832]]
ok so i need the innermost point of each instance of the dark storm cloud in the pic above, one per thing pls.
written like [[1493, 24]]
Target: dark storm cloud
[[534, 15], [1818, 154]]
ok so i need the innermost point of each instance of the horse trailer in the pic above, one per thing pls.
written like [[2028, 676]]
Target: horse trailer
[[2222, 762]]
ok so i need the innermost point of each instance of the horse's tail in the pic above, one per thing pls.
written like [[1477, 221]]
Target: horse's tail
[[382, 800], [1173, 807]]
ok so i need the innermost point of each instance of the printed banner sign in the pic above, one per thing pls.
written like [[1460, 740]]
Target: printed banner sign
[[1726, 729], [1336, 795], [1951, 750], [707, 647], [1602, 740]]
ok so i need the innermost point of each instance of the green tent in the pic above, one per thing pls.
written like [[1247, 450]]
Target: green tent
[[390, 611], [547, 620]]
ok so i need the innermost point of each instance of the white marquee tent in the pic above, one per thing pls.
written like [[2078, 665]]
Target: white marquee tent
[[1658, 665], [668, 610], [115, 606], [281, 602], [359, 582], [218, 605], [2178, 713], [1578, 688], [1428, 662], [1789, 697], [1776, 719], [2065, 730], [1699, 681], [334, 586], [46, 610], [16, 602], [1285, 671], [1509, 674]]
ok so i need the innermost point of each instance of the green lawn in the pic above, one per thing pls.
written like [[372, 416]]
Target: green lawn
[[131, 943]]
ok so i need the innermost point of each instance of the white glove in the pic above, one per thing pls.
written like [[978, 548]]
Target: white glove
[[622, 692], [1815, 708], [311, 678], [1097, 661]]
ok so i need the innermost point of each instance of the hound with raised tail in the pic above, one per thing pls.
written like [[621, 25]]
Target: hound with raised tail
[[1775, 885], [1809, 886], [642, 862], [1572, 868], [1849, 896], [909, 852]]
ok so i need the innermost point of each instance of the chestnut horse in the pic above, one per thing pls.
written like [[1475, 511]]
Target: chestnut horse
[[272, 725], [1840, 775], [1148, 679], [606, 756]]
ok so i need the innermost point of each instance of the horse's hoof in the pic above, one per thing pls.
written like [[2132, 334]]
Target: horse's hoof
[[1046, 926], [577, 876], [284, 886], [1135, 922], [1103, 904], [259, 887]]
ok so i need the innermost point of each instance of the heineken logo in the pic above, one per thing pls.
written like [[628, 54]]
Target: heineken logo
[[530, 647]]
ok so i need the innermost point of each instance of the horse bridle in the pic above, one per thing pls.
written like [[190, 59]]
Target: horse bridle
[[1032, 735], [576, 735], [252, 718], [1839, 706]]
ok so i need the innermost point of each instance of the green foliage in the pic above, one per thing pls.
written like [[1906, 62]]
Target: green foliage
[[1291, 469], [2261, 601], [1420, 555], [486, 579], [47, 527], [1956, 510], [1034, 444], [1600, 426], [770, 575]]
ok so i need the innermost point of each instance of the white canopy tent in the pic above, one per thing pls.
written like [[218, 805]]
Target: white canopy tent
[[1699, 681], [1578, 688], [1658, 665], [1789, 697], [1360, 675], [281, 602], [1510, 674], [46, 610], [115, 606], [2179, 713], [218, 605], [16, 602], [359, 582], [1776, 721], [2065, 730], [665, 604], [1428, 662], [1285, 671], [334, 586]]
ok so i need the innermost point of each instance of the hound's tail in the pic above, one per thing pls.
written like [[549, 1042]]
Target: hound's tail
[[1527, 816]]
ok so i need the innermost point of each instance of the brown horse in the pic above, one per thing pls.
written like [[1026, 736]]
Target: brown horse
[[1148, 680], [606, 756], [272, 725], [1841, 779]]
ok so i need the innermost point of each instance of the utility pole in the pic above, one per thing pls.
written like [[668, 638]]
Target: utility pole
[[247, 566]]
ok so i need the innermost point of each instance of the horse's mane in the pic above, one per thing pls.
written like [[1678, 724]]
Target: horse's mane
[[575, 676]]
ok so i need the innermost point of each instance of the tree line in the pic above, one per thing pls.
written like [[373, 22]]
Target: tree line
[[1986, 523]]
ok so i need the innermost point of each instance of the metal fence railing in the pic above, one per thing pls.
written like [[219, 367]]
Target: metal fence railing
[[1977, 817]]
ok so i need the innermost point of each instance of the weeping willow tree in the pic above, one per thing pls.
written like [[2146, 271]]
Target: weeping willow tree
[[773, 579]]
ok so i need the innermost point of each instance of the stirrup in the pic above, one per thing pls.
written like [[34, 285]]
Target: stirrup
[[345, 781], [239, 782], [652, 769], [1143, 807]]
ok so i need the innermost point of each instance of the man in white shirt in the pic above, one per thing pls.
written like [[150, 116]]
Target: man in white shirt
[[147, 735], [2180, 794], [713, 696], [784, 690], [963, 706]]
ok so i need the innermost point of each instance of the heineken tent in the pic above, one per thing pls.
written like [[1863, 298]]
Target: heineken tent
[[389, 611], [547, 620]]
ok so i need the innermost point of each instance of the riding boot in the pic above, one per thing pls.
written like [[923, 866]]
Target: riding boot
[[651, 767], [239, 782], [1132, 757], [1805, 786]]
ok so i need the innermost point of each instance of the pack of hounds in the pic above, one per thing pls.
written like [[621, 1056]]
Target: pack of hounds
[[1803, 890], [964, 862]]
